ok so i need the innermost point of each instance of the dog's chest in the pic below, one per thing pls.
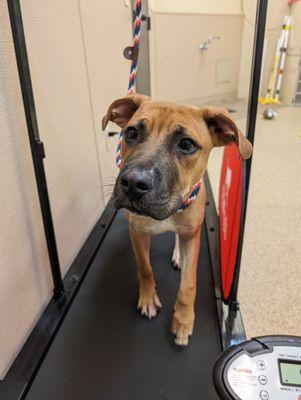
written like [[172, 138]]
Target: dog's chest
[[157, 227], [149, 226]]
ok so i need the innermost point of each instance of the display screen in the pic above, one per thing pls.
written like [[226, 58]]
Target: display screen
[[290, 372]]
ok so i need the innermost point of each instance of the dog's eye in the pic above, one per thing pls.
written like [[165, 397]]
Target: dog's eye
[[131, 135], [187, 146]]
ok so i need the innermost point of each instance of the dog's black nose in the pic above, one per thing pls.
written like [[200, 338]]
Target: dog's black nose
[[137, 181]]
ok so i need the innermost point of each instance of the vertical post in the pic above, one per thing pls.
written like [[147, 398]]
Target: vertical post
[[36, 146], [250, 129]]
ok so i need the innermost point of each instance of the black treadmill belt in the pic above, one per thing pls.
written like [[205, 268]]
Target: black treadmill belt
[[106, 350]]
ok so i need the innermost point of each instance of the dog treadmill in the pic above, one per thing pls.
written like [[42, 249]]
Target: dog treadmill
[[91, 342], [106, 350]]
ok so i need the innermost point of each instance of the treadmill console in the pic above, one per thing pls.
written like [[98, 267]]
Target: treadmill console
[[265, 368]]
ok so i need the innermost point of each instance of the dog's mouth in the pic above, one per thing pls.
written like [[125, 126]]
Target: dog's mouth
[[160, 209], [136, 211], [148, 189]]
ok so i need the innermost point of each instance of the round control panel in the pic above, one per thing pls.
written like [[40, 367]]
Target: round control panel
[[264, 368]]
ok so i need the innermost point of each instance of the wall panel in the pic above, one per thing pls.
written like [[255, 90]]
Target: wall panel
[[180, 71], [57, 61]]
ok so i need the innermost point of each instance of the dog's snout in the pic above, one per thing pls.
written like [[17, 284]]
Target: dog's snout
[[137, 181]]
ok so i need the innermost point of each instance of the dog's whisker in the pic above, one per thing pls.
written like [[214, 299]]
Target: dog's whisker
[[110, 178], [109, 182], [109, 185]]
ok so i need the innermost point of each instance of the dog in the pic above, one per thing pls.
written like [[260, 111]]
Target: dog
[[165, 150]]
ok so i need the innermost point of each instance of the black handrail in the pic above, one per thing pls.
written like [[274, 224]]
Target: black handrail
[[260, 24], [36, 145]]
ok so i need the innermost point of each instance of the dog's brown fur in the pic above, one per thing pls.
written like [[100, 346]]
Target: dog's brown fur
[[208, 127]]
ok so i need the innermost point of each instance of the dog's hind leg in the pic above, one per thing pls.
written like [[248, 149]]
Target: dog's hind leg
[[184, 315], [175, 261], [149, 302]]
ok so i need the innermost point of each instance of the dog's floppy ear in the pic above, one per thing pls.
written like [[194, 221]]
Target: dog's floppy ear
[[225, 131], [122, 110]]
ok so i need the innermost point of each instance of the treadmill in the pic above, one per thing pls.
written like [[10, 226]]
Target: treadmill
[[90, 342]]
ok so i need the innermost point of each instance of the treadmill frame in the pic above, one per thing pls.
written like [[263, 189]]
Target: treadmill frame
[[21, 374]]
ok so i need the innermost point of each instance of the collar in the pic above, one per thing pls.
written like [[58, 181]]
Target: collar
[[194, 191]]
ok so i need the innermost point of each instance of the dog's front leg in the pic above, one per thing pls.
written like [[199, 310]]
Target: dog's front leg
[[148, 299], [183, 318]]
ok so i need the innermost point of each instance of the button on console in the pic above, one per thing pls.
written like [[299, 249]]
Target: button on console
[[264, 395], [262, 379], [261, 364]]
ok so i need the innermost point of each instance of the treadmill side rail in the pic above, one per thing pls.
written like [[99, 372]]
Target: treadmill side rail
[[230, 321], [11, 390]]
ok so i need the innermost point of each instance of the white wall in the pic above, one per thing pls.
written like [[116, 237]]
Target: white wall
[[108, 71], [66, 47], [57, 62], [221, 7], [180, 71]]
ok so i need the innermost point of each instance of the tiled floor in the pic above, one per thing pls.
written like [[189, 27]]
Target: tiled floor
[[270, 287]]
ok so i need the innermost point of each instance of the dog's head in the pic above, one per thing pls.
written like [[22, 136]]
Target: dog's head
[[165, 150]]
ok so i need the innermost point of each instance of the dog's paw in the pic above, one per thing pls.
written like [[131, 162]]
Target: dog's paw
[[182, 330], [149, 305]]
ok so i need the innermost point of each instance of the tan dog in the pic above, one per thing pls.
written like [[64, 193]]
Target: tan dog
[[165, 151]]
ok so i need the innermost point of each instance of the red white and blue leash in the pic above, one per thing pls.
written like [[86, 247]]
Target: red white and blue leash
[[194, 191], [134, 67]]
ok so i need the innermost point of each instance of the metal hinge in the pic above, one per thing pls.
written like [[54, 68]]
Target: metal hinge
[[148, 21]]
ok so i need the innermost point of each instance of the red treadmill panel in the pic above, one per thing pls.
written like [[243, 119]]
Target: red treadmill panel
[[230, 201]]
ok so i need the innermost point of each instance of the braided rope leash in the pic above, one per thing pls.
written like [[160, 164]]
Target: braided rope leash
[[136, 41], [194, 191], [134, 67], [118, 151]]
